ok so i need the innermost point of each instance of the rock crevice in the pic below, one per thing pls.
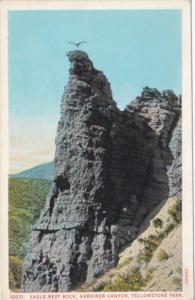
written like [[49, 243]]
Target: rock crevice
[[112, 168]]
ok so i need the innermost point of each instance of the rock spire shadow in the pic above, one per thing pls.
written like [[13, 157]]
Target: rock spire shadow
[[112, 168]]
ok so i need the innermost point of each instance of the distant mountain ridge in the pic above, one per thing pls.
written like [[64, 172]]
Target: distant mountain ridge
[[112, 169], [43, 171]]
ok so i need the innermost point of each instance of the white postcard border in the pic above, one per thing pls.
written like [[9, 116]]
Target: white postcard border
[[187, 240]]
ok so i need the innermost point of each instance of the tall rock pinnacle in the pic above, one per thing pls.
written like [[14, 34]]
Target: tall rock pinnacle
[[111, 170]]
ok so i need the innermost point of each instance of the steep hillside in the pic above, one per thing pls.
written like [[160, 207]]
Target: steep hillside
[[26, 199], [112, 168], [44, 171], [153, 261]]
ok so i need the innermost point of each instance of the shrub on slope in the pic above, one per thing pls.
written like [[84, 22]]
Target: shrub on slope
[[26, 199]]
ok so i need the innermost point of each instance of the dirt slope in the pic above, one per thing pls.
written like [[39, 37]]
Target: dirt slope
[[153, 261]]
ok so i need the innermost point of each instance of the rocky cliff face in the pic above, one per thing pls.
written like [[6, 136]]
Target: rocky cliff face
[[112, 168]]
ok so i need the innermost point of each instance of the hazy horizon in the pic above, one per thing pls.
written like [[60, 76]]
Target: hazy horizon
[[133, 48]]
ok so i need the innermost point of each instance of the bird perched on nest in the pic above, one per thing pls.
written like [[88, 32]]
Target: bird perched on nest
[[77, 44]]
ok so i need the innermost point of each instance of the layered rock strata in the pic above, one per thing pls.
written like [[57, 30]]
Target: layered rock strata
[[112, 168]]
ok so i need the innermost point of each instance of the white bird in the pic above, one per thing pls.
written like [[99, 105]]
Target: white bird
[[77, 44]]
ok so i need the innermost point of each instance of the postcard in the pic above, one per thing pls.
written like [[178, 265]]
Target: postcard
[[96, 150]]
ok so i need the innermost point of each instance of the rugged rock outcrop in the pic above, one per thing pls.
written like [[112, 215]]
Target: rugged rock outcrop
[[112, 168], [163, 114]]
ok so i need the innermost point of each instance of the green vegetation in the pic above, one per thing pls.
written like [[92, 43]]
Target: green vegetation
[[179, 270], [26, 199], [178, 279], [157, 223], [169, 227], [152, 242], [149, 274], [162, 255], [131, 274], [111, 275], [15, 272], [175, 211], [124, 263], [132, 281]]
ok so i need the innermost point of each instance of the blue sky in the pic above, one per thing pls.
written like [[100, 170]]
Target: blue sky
[[134, 48]]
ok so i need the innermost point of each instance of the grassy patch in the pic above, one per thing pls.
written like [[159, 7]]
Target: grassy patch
[[124, 263], [162, 255], [152, 242], [149, 275], [157, 223], [133, 281], [26, 199], [178, 282], [15, 272], [178, 279], [175, 211]]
